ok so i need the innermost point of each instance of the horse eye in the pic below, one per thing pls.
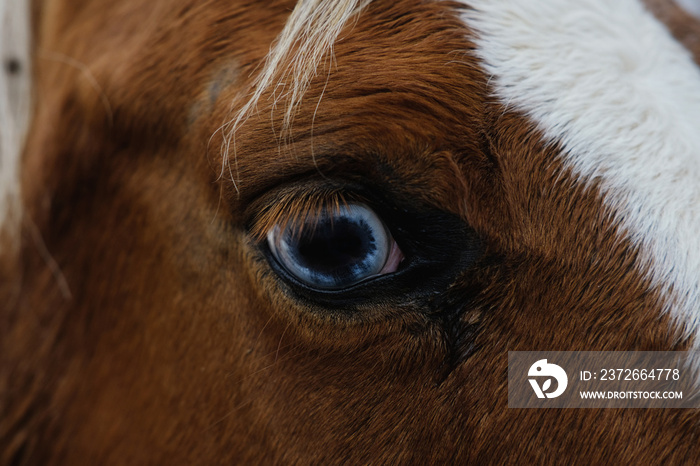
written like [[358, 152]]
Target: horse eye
[[337, 249]]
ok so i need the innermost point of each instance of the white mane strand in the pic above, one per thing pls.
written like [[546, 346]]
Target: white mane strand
[[307, 38]]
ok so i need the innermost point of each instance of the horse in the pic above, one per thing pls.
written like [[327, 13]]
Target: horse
[[310, 232]]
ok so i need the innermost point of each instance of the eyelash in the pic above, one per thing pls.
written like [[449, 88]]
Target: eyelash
[[294, 207]]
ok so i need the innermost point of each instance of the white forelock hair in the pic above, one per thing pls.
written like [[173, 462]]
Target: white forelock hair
[[307, 39]]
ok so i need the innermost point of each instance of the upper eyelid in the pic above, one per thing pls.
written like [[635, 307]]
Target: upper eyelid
[[298, 205], [343, 163]]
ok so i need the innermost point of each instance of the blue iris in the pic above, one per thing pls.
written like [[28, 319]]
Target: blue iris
[[340, 248]]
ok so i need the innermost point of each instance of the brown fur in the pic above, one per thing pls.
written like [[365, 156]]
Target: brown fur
[[180, 345]]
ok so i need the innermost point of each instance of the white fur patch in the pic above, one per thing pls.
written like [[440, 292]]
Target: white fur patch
[[607, 81], [14, 104], [691, 6]]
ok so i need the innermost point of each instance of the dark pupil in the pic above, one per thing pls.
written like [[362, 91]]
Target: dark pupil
[[331, 246]]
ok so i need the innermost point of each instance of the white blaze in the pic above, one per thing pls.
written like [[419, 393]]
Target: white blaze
[[607, 81], [14, 102]]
